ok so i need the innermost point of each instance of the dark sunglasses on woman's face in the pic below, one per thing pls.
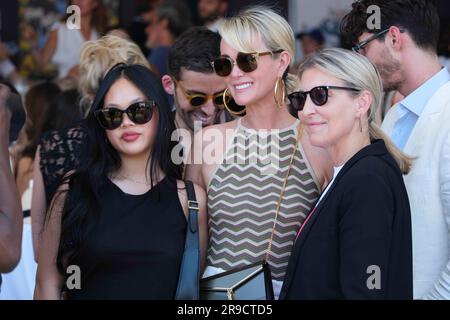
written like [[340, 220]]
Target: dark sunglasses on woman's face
[[198, 99], [318, 95], [139, 112], [247, 62]]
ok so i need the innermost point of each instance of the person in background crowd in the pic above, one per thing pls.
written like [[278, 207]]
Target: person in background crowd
[[60, 151], [37, 106], [362, 220], [257, 48], [121, 215], [8, 70], [168, 21], [212, 12], [404, 51], [63, 45], [312, 41], [60, 113]]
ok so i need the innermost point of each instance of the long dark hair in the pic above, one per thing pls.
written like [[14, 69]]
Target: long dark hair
[[63, 111], [99, 158], [37, 104]]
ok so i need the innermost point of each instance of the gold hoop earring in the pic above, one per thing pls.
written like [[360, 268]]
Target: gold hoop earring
[[225, 97], [283, 91]]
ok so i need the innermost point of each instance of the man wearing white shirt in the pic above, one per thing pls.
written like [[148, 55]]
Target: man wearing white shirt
[[404, 50]]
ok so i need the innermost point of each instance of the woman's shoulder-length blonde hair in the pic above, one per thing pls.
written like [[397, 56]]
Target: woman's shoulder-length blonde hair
[[356, 71]]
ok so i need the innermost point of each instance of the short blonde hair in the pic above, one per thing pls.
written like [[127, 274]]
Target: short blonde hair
[[353, 69], [261, 22], [98, 56], [356, 71]]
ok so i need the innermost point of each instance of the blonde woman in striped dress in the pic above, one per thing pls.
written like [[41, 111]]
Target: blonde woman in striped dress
[[247, 163]]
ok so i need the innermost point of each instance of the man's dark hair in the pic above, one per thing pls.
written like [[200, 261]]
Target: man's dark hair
[[444, 43], [194, 50], [419, 18], [177, 14]]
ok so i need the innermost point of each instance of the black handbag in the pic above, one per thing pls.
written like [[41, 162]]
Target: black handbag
[[252, 282], [188, 280]]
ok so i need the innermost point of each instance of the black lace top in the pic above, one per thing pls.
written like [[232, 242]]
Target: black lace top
[[60, 152]]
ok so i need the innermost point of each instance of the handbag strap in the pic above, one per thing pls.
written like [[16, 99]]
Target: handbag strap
[[188, 282], [192, 207], [283, 188]]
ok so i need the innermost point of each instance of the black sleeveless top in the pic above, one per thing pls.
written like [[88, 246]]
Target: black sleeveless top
[[135, 247]]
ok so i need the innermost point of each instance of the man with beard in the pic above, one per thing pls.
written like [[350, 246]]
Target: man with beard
[[197, 90], [211, 12], [404, 49]]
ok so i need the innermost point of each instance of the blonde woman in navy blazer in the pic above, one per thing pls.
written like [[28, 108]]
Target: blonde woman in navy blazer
[[356, 243]]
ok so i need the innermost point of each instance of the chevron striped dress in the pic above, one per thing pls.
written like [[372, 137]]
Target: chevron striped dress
[[243, 192]]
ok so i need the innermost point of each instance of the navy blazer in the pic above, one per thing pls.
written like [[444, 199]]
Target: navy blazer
[[357, 243]]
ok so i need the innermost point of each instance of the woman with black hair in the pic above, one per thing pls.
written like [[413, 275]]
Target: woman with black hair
[[37, 105], [121, 216]]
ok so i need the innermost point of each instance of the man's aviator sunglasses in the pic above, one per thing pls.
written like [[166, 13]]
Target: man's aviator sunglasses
[[247, 62], [138, 112], [198, 99], [318, 95]]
